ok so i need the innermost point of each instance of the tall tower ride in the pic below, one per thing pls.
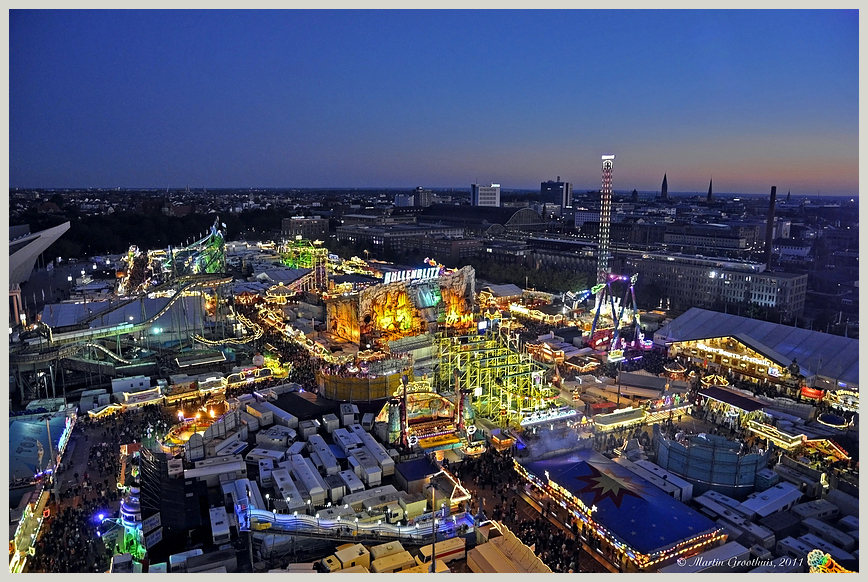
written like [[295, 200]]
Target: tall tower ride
[[605, 219]]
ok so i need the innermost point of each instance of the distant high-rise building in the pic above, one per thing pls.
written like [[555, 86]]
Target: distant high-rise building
[[770, 227], [556, 192], [402, 200], [485, 195], [664, 189], [422, 197], [634, 196], [710, 197]]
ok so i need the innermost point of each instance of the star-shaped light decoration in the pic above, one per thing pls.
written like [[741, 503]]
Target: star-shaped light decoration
[[606, 486]]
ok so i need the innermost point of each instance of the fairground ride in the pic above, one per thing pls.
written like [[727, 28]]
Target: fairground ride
[[305, 254], [147, 272], [603, 291], [193, 270], [506, 385]]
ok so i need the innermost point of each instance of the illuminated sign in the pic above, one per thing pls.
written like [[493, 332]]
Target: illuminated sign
[[772, 370], [547, 415], [412, 275], [616, 355]]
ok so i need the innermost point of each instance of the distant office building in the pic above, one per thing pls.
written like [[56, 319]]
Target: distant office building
[[718, 283], [707, 240], [422, 197], [485, 195], [312, 228], [582, 216], [450, 250], [556, 192], [403, 200], [396, 237]]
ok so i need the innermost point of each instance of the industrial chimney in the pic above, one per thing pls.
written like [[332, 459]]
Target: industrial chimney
[[770, 227]]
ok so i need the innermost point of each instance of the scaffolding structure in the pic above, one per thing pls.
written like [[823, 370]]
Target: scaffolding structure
[[506, 386], [305, 254]]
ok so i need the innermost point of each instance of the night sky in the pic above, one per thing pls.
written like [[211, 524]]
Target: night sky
[[435, 98]]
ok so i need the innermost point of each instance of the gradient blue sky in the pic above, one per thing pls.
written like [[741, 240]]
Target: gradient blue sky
[[435, 98]]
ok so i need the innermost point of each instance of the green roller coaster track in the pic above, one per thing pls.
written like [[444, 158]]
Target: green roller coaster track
[[507, 385]]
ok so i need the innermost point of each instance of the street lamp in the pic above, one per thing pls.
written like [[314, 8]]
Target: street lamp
[[267, 495]]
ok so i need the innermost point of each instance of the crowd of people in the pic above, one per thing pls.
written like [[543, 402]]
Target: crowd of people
[[558, 549], [69, 542], [492, 474]]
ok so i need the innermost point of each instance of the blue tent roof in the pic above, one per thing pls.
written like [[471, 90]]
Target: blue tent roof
[[417, 469], [634, 510]]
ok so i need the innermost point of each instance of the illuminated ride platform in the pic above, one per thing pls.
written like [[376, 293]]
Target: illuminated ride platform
[[418, 416]]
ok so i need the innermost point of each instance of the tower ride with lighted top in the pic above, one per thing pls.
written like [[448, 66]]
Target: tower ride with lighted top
[[605, 219]]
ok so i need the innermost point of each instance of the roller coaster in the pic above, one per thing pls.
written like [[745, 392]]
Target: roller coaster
[[205, 256], [178, 271], [56, 341], [508, 386]]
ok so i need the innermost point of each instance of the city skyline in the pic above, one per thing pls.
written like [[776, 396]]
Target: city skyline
[[441, 98]]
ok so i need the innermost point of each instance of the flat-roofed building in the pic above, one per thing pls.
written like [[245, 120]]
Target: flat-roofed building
[[305, 227]]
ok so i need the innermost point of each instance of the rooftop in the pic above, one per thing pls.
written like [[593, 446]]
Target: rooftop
[[816, 352]]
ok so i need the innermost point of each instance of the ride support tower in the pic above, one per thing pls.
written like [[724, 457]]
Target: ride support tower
[[605, 220]]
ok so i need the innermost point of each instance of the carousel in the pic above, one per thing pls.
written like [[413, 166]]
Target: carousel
[[714, 380], [675, 370]]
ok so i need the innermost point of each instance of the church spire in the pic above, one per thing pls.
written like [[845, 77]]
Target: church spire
[[664, 189], [710, 197]]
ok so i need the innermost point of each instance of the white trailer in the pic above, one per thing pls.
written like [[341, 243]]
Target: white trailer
[[328, 462], [304, 471], [219, 526], [357, 500], [365, 466], [287, 489], [379, 453], [352, 481], [345, 440], [281, 417]]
